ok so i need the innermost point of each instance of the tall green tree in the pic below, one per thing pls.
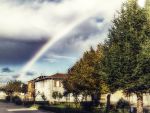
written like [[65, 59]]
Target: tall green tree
[[128, 58], [111, 85]]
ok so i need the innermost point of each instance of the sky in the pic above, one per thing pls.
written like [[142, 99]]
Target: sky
[[27, 25]]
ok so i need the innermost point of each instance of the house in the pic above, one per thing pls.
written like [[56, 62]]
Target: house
[[31, 88], [130, 98], [43, 88], [30, 93], [46, 87]]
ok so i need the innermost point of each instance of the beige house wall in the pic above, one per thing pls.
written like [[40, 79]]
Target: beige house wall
[[2, 95], [132, 98], [48, 86]]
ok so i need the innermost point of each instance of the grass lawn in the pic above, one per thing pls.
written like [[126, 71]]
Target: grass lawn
[[59, 105]]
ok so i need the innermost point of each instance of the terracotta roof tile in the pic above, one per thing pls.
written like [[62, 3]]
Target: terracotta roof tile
[[55, 76], [58, 75]]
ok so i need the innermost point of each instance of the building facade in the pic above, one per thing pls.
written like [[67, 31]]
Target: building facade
[[31, 91], [31, 88], [131, 98], [46, 86], [43, 88]]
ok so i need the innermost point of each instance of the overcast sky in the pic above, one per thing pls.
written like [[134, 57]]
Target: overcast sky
[[26, 25]]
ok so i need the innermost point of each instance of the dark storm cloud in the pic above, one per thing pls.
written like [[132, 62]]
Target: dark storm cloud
[[30, 73], [17, 52], [6, 70], [14, 77], [74, 41]]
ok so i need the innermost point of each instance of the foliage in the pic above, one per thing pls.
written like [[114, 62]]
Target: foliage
[[128, 58], [57, 95], [35, 106], [7, 98], [24, 88], [86, 72], [123, 104], [43, 97], [17, 100], [88, 105], [15, 86]]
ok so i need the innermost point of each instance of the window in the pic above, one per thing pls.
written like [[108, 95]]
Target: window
[[56, 83], [59, 83]]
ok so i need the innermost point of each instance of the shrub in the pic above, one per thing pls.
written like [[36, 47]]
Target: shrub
[[7, 98], [88, 105], [123, 104], [17, 100], [62, 110], [57, 95], [14, 98]]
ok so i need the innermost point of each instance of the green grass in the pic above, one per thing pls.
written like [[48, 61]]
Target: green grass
[[59, 106], [2, 100], [64, 105], [35, 106]]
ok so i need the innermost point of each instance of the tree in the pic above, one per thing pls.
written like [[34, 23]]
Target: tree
[[24, 88], [43, 97], [86, 76], [128, 58], [57, 95], [111, 86], [14, 86]]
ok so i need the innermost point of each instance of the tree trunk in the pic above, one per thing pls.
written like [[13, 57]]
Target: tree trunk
[[76, 101], [11, 100], [34, 98], [140, 103], [96, 99], [11, 97], [108, 103]]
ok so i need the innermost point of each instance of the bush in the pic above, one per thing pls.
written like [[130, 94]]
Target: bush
[[7, 98], [28, 103], [62, 110], [87, 105], [14, 98], [42, 102], [17, 100], [122, 104]]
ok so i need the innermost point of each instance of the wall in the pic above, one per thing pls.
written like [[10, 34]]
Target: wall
[[47, 87], [2, 95], [42, 88], [30, 93], [132, 99]]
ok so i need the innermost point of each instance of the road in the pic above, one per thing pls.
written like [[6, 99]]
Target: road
[[11, 108]]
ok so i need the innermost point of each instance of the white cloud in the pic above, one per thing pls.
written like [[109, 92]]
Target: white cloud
[[141, 3], [60, 56], [53, 58], [35, 19]]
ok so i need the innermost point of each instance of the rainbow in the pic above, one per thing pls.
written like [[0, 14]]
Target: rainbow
[[50, 42]]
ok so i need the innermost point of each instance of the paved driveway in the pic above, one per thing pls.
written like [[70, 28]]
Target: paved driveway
[[11, 108]]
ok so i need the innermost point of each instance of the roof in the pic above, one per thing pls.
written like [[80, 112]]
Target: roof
[[58, 75], [38, 78], [55, 76]]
